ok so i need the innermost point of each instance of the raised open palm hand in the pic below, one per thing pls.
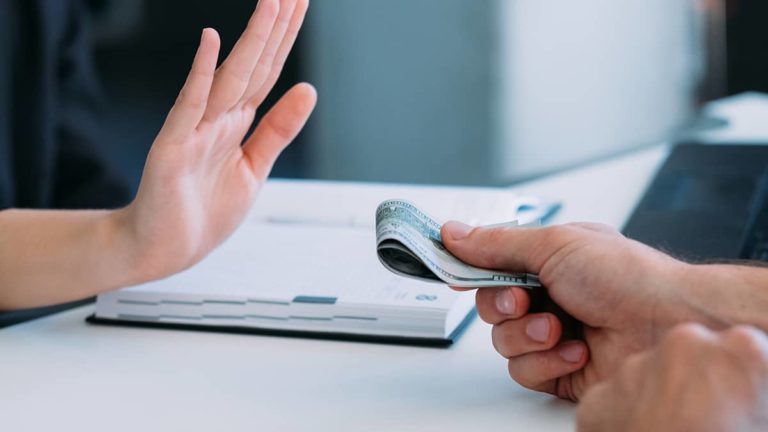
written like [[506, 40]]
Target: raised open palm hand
[[200, 180]]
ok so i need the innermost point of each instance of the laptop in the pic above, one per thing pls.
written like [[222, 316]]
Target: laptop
[[707, 203]]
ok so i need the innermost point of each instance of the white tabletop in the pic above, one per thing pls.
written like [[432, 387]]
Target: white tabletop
[[59, 373]]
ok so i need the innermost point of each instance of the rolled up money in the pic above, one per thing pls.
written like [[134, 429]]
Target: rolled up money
[[408, 243]]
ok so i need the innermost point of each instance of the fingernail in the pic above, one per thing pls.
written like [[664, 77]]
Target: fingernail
[[505, 301], [538, 329], [458, 230], [572, 353]]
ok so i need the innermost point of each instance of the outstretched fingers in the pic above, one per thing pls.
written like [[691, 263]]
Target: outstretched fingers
[[266, 75], [279, 127], [233, 77], [193, 98]]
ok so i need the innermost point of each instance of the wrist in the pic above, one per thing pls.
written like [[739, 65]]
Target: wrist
[[719, 296], [150, 252], [128, 256], [670, 282]]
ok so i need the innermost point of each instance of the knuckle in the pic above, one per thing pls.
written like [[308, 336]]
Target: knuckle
[[744, 333], [558, 234], [495, 237], [284, 19], [268, 58], [553, 234], [748, 340], [272, 7], [688, 332], [260, 36], [542, 364], [519, 377], [551, 242], [277, 128], [634, 362], [500, 338], [493, 241], [636, 365], [685, 338], [528, 371], [240, 74], [201, 73], [184, 99]]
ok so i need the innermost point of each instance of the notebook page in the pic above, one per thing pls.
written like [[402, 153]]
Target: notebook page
[[280, 262]]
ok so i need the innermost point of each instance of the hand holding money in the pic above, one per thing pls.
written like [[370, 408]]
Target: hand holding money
[[408, 243]]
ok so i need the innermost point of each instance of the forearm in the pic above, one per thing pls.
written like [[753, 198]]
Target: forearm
[[49, 257], [724, 295]]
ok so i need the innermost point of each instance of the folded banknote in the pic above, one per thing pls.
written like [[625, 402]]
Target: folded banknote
[[408, 243]]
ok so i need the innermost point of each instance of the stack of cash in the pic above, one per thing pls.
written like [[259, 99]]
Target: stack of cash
[[408, 243]]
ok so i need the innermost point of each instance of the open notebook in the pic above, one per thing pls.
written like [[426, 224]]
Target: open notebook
[[304, 264]]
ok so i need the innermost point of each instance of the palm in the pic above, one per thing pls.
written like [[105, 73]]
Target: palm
[[206, 189], [199, 181]]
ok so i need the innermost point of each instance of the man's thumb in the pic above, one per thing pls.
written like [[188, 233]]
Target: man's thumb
[[493, 248]]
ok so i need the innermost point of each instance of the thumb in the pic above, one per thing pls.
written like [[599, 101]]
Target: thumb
[[501, 248], [279, 127]]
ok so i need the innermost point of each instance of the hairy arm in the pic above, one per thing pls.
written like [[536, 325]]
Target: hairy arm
[[722, 295], [626, 294]]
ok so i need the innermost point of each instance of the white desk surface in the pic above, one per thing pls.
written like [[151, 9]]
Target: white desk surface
[[59, 373]]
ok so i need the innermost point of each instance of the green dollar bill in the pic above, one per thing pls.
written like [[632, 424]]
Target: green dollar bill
[[408, 243]]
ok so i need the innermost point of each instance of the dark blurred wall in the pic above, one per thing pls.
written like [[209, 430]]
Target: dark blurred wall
[[143, 52], [747, 35]]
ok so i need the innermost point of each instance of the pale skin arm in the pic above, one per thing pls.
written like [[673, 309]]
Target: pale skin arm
[[54, 256], [198, 182]]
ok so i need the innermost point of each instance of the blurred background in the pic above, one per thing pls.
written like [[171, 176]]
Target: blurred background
[[450, 91]]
